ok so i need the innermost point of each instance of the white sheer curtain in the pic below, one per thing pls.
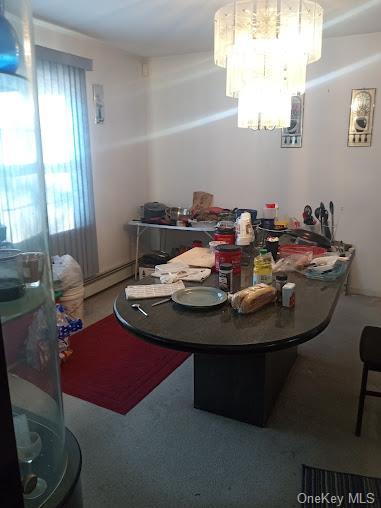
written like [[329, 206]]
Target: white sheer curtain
[[64, 126]]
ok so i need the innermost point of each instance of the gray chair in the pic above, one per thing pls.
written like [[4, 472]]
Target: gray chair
[[370, 354]]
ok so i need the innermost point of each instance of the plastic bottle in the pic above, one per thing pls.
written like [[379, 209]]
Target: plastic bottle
[[244, 230], [263, 271]]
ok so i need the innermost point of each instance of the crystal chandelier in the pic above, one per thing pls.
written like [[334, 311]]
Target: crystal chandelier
[[265, 46]]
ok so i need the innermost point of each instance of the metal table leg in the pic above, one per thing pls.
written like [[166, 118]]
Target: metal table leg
[[348, 282], [138, 235], [348, 291], [137, 252]]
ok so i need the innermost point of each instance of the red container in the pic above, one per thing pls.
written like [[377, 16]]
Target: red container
[[288, 250], [229, 254], [223, 237]]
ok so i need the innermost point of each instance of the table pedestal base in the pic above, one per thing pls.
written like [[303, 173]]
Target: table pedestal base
[[241, 386]]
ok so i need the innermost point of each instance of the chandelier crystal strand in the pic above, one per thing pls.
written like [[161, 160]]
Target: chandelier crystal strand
[[265, 45]]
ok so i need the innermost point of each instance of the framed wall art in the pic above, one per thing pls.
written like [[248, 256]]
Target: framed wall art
[[292, 136], [361, 117], [98, 98]]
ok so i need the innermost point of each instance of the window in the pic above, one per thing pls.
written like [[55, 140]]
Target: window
[[64, 127], [66, 155], [18, 158]]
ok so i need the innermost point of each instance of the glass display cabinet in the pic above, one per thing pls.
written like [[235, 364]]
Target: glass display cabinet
[[40, 460]]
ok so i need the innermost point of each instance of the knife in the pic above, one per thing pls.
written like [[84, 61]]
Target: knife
[[161, 301]]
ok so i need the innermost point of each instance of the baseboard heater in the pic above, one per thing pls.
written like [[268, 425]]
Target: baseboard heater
[[104, 280]]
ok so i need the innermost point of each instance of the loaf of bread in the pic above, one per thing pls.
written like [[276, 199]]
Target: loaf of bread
[[238, 297], [253, 298]]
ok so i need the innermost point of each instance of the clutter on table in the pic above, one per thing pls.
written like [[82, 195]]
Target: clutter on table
[[274, 245]]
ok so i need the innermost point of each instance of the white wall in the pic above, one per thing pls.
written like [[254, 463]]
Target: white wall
[[119, 151], [195, 145]]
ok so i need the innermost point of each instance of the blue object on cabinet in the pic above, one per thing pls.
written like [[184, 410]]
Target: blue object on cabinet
[[9, 45]]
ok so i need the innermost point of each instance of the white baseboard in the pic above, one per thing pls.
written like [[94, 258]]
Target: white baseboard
[[106, 280], [365, 292]]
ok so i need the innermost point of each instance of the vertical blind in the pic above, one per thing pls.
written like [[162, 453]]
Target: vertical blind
[[20, 187], [64, 127]]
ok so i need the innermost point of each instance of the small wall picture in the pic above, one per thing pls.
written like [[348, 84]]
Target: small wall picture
[[292, 136], [98, 97], [361, 117]]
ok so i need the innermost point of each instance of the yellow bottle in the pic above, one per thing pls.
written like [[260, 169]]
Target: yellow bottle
[[263, 271]]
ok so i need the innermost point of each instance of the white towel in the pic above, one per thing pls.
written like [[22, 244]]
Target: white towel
[[189, 274]]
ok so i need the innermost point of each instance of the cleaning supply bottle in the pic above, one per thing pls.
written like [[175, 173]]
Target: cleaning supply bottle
[[245, 238], [263, 271], [244, 230]]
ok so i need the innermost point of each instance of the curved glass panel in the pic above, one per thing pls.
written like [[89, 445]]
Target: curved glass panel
[[27, 308]]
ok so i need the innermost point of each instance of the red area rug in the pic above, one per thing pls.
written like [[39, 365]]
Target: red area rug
[[113, 369]]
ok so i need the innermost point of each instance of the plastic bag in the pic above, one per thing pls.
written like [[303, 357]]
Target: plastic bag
[[329, 268], [293, 263], [67, 273], [66, 325], [253, 298]]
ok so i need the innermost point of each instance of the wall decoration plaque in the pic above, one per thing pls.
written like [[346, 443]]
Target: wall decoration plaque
[[98, 97], [361, 117], [292, 136]]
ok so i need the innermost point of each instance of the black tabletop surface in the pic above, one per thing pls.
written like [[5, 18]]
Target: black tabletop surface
[[223, 330]]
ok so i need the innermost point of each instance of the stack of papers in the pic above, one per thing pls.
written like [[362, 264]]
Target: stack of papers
[[152, 290]]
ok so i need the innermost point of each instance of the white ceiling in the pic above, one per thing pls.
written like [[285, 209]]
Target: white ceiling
[[164, 27]]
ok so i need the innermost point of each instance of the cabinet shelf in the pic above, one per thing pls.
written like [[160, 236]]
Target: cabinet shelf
[[32, 299], [12, 74], [13, 83]]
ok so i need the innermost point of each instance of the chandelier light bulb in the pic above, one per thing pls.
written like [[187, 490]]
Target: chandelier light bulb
[[265, 46]]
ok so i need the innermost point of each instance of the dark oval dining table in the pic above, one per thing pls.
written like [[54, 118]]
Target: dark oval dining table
[[240, 361]]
